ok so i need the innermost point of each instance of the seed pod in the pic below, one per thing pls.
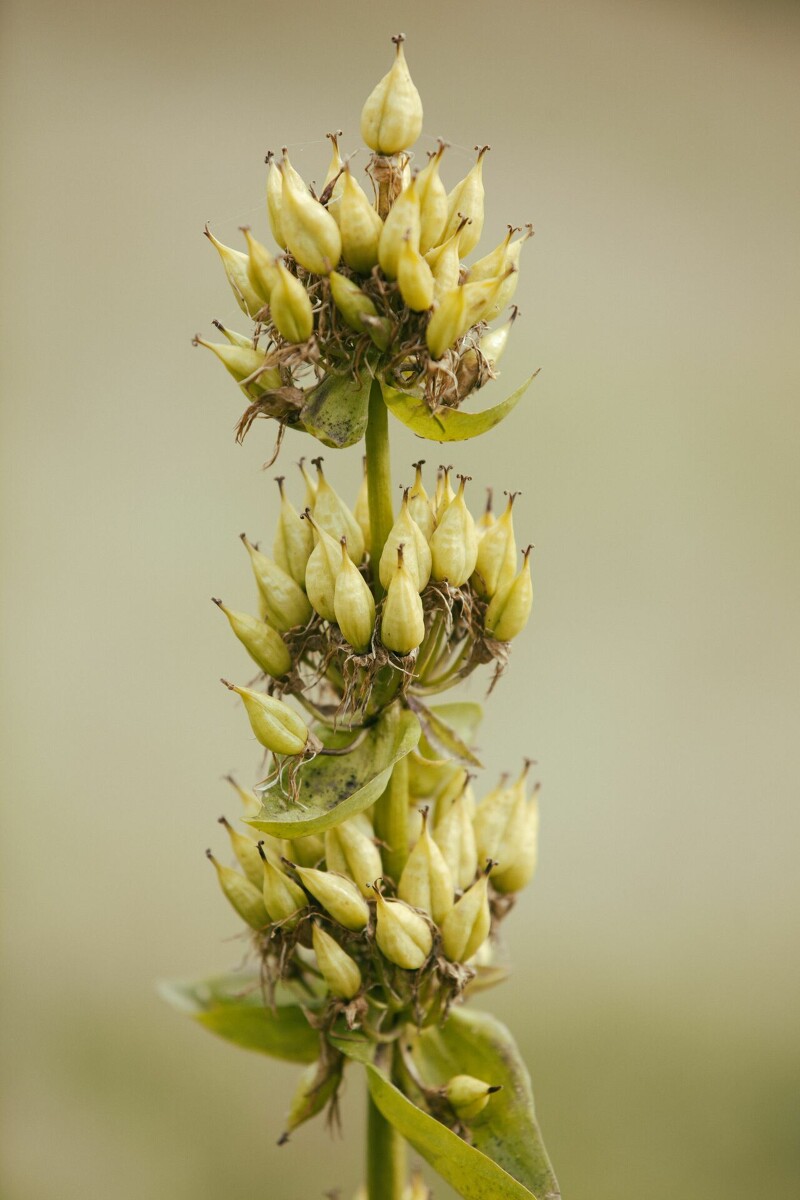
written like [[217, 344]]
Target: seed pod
[[334, 176], [312, 235], [518, 850], [338, 895], [414, 278], [235, 339], [445, 264], [246, 852], [284, 601], [359, 225], [403, 619], [467, 925], [402, 221], [467, 200], [275, 725], [468, 1096], [321, 571], [481, 297], [262, 270], [307, 851], [416, 551], [242, 362], [455, 838], [265, 645], [353, 607], [444, 495], [339, 970], [283, 898], [310, 484], [495, 262], [446, 325], [419, 506], [506, 291], [351, 302], [235, 264], [275, 200], [318, 1086], [427, 882], [294, 539], [493, 813], [391, 119], [457, 786], [290, 307], [454, 544], [244, 897], [332, 514], [251, 805], [432, 202], [497, 555], [361, 509], [351, 851], [493, 343], [403, 936], [509, 611]]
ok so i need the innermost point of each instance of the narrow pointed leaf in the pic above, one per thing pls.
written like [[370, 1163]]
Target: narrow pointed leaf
[[448, 424], [336, 411]]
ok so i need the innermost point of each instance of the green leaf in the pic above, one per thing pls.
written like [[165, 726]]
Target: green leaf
[[335, 787], [452, 727], [232, 1006], [449, 424], [475, 1043], [336, 411]]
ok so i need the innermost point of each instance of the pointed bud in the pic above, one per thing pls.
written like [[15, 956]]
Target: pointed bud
[[310, 484], [312, 235], [446, 325], [243, 896], [332, 514], [493, 343], [265, 645], [307, 851], [416, 551], [334, 176], [277, 727], [294, 539], [432, 202], [354, 609], [467, 200], [339, 970], [518, 849], [414, 278], [391, 119], [235, 264], [497, 555], [283, 898], [445, 264], [285, 603], [454, 544], [509, 611], [444, 495], [402, 221], [290, 308], [321, 571], [427, 882], [419, 505], [487, 517], [275, 200], [359, 225], [338, 895], [493, 814], [235, 339], [351, 302], [246, 852], [455, 838], [351, 851], [262, 270], [505, 292], [457, 787], [403, 936], [251, 805], [466, 927], [494, 263], [468, 1096], [361, 509], [243, 362], [318, 1086], [481, 297], [403, 619]]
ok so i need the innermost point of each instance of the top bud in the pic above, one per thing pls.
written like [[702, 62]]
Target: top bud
[[391, 119]]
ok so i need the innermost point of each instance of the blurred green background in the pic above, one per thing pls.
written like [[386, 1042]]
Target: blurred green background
[[655, 995]]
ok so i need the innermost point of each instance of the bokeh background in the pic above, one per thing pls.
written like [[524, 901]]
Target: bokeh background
[[654, 145]]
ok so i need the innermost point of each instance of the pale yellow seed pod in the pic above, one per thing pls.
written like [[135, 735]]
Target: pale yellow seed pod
[[402, 222], [509, 611], [294, 539], [351, 302], [457, 788], [494, 263], [334, 176], [310, 486], [419, 506], [285, 604], [338, 895], [391, 119], [317, 1088], [445, 264], [403, 936], [242, 895], [308, 851], [454, 544], [505, 292], [466, 927], [284, 899], [481, 297], [246, 852], [414, 278], [290, 308], [416, 551], [455, 838], [359, 225], [444, 495], [493, 343], [339, 970], [235, 264], [353, 605], [235, 339], [447, 321], [361, 510], [312, 235], [403, 619], [351, 851], [332, 514], [243, 362], [487, 518], [518, 850], [277, 727], [264, 644], [275, 200], [493, 813], [427, 881], [262, 270], [432, 202], [321, 571], [497, 554], [468, 1096], [467, 200]]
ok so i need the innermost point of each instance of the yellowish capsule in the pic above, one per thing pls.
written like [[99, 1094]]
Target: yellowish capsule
[[277, 727], [284, 899], [321, 571], [351, 302], [455, 838], [332, 514], [497, 554], [518, 849], [403, 618], [468, 1096], [419, 506], [454, 544], [294, 539], [234, 338], [242, 895], [416, 551], [432, 202], [311, 233], [459, 788], [466, 927], [262, 270], [426, 881], [493, 343], [467, 200], [334, 176], [445, 264], [444, 494], [487, 518], [361, 509], [285, 603], [391, 119], [235, 264], [505, 292], [350, 850], [290, 308], [495, 262], [246, 852], [244, 363], [308, 851], [509, 610], [403, 936], [414, 278], [353, 605], [310, 486], [359, 225], [339, 970], [493, 813], [318, 1086], [402, 223], [275, 200], [338, 895], [447, 323], [264, 644]]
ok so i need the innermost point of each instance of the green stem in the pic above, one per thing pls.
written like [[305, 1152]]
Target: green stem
[[379, 478], [386, 1157]]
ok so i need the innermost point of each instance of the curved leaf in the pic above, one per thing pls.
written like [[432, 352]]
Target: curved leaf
[[232, 1006], [333, 788], [336, 411], [449, 424]]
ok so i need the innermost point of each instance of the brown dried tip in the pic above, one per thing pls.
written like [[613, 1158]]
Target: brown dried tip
[[317, 462], [512, 496], [230, 686], [218, 603], [419, 465], [496, 1087], [260, 848], [280, 480], [224, 821], [526, 553], [398, 39], [489, 496], [400, 553], [481, 151]]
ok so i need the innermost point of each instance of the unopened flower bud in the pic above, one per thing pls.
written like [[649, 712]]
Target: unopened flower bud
[[246, 852], [236, 264], [487, 518], [414, 278], [352, 303], [497, 554], [339, 970], [419, 506], [318, 1086], [264, 644], [321, 571], [332, 514], [481, 297], [403, 936], [244, 363], [277, 727], [455, 838], [334, 176], [283, 898], [445, 264], [505, 292], [312, 235], [518, 849], [510, 609], [391, 119], [467, 200], [467, 925], [351, 851], [493, 343], [285, 602], [243, 896], [361, 509], [290, 307], [426, 881], [403, 619], [235, 339], [495, 262], [457, 787], [416, 551], [493, 814], [468, 1096], [454, 544], [444, 494], [401, 224], [262, 270], [359, 225], [275, 200], [338, 895], [446, 325], [310, 485], [354, 609], [432, 202], [294, 539]]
